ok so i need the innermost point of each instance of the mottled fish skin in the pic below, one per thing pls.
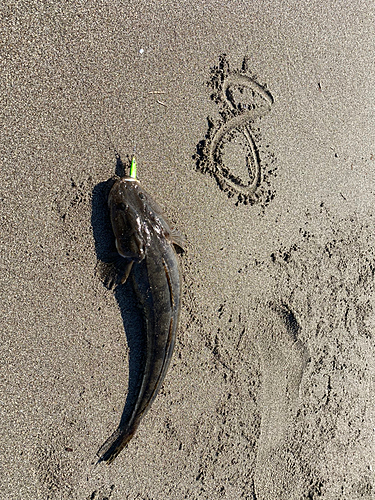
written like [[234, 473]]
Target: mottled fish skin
[[145, 240]]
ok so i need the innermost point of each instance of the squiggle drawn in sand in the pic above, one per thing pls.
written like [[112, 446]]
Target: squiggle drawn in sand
[[236, 117]]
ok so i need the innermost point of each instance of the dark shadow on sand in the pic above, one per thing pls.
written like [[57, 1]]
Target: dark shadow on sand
[[107, 268]]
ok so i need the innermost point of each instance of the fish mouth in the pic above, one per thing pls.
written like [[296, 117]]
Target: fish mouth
[[131, 179]]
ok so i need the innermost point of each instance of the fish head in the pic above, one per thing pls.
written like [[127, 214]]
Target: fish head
[[126, 203]]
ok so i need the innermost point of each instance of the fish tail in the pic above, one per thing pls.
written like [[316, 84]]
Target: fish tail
[[115, 443]]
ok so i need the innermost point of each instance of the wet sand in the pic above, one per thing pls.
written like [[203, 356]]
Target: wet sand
[[265, 160]]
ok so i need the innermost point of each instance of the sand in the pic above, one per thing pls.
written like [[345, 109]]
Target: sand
[[270, 394]]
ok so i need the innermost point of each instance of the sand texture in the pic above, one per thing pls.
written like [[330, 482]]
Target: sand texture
[[253, 125]]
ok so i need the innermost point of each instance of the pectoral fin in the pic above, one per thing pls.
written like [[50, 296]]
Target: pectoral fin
[[126, 272], [177, 239]]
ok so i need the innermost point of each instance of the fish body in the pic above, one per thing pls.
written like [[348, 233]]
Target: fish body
[[145, 241]]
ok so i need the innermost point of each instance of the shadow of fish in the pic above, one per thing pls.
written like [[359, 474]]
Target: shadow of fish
[[145, 244]]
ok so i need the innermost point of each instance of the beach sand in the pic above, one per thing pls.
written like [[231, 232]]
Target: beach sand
[[270, 393]]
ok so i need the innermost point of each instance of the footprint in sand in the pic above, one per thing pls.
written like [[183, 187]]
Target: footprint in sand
[[283, 358], [241, 102]]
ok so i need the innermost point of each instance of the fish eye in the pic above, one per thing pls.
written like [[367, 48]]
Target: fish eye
[[121, 206], [141, 195]]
